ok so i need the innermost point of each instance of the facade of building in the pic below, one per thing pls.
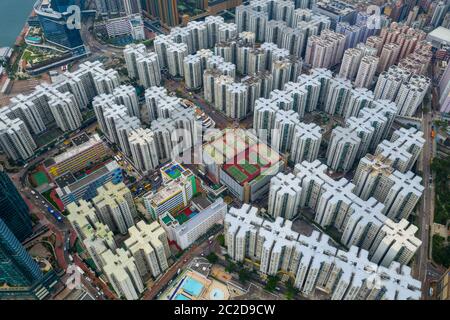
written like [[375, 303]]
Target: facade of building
[[149, 247], [115, 206], [185, 234], [17, 267], [14, 211], [311, 262], [178, 190], [121, 270]]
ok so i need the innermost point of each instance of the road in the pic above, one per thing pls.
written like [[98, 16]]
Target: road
[[220, 119], [426, 208], [182, 263]]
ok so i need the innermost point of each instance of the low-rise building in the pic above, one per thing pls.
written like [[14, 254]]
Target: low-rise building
[[86, 151], [72, 189], [185, 233]]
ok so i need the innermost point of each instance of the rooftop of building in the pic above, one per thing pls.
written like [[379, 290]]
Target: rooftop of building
[[241, 155], [440, 34], [190, 217], [81, 139], [81, 143], [67, 182]]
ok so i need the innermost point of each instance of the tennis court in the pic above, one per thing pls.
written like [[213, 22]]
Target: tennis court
[[251, 169], [237, 174], [181, 218], [174, 172]]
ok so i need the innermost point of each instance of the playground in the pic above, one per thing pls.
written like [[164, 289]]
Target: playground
[[39, 178]]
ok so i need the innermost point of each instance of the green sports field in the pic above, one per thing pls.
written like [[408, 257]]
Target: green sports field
[[40, 178], [237, 174], [251, 169]]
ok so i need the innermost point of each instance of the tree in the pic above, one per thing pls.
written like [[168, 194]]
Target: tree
[[441, 252], [212, 257], [231, 267], [221, 240], [272, 282], [291, 291], [244, 275], [132, 179]]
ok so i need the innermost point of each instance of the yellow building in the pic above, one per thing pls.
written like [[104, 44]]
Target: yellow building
[[86, 150]]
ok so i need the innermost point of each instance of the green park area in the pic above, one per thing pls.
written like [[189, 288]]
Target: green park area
[[441, 251], [441, 169], [237, 174], [441, 246], [34, 55]]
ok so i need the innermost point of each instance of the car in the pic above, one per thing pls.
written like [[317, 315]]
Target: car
[[43, 202], [37, 197], [32, 192]]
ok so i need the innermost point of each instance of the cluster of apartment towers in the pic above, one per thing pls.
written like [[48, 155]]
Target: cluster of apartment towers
[[370, 212]]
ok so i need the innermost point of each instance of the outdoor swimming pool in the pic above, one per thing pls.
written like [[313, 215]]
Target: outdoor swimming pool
[[192, 287], [181, 297], [216, 294]]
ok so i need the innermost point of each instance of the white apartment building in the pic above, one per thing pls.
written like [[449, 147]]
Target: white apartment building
[[149, 70], [342, 149], [284, 196], [143, 149], [306, 143], [366, 71], [121, 270], [350, 63], [176, 53], [236, 100], [389, 83], [115, 207], [187, 233], [284, 130], [154, 96], [311, 262], [334, 203], [15, 139], [149, 247], [395, 242], [96, 236], [193, 72], [399, 192], [411, 94], [131, 53], [127, 96], [403, 149]]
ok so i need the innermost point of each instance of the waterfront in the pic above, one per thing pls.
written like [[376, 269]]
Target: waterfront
[[13, 15]]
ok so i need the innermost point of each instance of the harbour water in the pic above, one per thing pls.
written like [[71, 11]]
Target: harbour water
[[13, 15]]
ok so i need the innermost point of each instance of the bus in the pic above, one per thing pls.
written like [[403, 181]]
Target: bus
[[55, 214]]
